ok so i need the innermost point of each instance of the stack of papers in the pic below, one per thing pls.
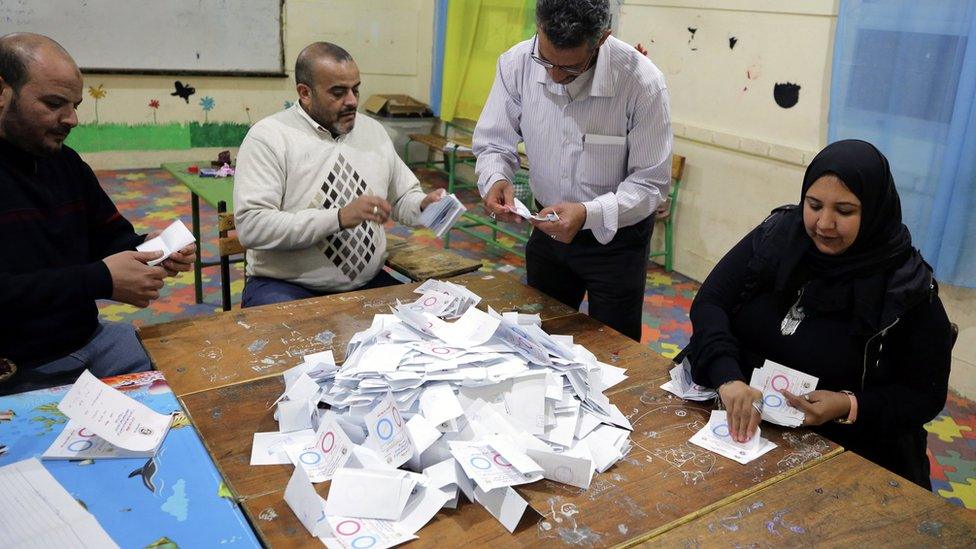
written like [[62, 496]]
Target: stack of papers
[[681, 384], [772, 379], [522, 211], [440, 216], [173, 239], [36, 511], [716, 437], [105, 423], [424, 410]]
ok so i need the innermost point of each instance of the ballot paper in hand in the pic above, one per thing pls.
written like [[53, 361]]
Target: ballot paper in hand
[[716, 437], [173, 239], [522, 211], [117, 418], [440, 216], [682, 385], [772, 379]]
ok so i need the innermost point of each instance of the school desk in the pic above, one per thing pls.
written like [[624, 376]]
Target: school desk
[[197, 354], [218, 192], [845, 501], [175, 498]]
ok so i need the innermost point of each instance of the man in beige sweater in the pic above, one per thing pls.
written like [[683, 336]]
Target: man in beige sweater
[[314, 185]]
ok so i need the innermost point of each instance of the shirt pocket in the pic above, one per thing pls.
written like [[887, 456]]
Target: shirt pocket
[[604, 162]]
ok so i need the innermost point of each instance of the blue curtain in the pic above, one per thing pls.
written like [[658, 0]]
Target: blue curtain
[[904, 78]]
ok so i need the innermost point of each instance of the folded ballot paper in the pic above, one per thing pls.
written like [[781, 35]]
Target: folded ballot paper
[[716, 437], [681, 384], [523, 211], [173, 239], [772, 379], [105, 423], [440, 216], [425, 410]]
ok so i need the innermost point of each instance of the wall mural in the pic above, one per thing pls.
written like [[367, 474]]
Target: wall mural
[[96, 136]]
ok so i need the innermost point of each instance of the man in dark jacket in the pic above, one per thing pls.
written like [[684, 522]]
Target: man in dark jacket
[[64, 244]]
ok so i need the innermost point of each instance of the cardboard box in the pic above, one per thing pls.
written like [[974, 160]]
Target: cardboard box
[[396, 106]]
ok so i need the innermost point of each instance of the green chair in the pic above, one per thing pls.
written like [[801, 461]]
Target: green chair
[[677, 170], [470, 220]]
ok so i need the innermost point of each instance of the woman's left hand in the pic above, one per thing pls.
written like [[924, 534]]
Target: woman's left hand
[[819, 407]]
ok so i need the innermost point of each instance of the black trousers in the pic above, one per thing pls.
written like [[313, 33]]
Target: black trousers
[[613, 275]]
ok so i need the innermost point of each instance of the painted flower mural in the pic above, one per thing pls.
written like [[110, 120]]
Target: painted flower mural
[[207, 104], [97, 92]]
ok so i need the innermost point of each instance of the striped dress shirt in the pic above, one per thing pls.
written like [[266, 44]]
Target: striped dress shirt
[[607, 146]]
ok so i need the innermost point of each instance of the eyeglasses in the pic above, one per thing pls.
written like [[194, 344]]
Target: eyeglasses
[[573, 70]]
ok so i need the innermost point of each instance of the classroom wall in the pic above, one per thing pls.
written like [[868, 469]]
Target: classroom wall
[[732, 67], [391, 41]]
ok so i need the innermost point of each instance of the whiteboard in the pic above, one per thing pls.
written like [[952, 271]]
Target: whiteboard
[[158, 36]]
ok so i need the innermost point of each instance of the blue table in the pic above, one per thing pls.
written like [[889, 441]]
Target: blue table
[[174, 499]]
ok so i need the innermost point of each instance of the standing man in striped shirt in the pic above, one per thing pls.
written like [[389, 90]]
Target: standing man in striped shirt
[[593, 114]]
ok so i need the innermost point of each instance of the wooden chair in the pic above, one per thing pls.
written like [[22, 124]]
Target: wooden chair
[[667, 216], [227, 245]]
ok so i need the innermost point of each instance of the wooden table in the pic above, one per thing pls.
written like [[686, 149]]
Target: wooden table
[[661, 483], [844, 501], [198, 354]]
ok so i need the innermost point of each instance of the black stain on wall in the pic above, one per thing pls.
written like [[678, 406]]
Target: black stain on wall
[[787, 94], [732, 41]]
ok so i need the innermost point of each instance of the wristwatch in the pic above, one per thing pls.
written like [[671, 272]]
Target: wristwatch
[[852, 415]]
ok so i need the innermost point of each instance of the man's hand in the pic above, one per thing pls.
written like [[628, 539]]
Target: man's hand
[[572, 215], [640, 48], [819, 407], [743, 417], [180, 261], [133, 281], [365, 208], [432, 196], [499, 198]]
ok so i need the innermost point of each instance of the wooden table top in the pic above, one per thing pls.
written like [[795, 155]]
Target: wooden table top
[[230, 347], [843, 501], [662, 482]]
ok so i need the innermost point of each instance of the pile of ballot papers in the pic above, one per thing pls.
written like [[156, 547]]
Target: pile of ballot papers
[[424, 411]]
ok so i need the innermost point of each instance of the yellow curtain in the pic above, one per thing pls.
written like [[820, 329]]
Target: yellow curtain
[[477, 32]]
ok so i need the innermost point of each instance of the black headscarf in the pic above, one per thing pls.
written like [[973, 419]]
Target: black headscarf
[[880, 276]]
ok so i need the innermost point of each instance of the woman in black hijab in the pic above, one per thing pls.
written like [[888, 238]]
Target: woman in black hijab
[[832, 287]]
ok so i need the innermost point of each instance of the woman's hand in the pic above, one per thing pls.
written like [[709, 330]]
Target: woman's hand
[[743, 417], [819, 407]]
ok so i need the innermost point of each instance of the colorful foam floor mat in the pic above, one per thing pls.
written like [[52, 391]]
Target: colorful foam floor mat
[[151, 199]]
